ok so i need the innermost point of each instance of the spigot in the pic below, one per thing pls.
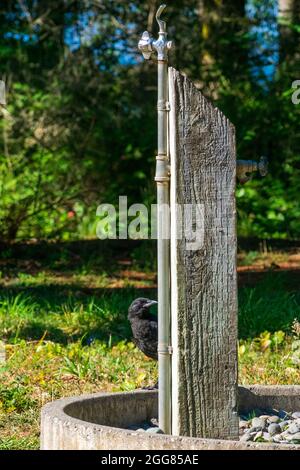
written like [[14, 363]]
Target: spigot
[[246, 167], [147, 45]]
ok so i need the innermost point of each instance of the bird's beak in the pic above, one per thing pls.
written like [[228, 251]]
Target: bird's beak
[[150, 303]]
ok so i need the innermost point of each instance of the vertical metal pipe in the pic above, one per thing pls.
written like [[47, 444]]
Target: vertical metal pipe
[[163, 252], [147, 45]]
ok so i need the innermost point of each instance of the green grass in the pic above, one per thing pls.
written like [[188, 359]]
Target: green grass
[[23, 443], [63, 315], [269, 306], [62, 342], [67, 333]]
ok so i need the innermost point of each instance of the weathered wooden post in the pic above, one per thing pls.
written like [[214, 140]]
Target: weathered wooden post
[[203, 273]]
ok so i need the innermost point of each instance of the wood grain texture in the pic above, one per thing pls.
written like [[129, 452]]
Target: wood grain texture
[[204, 281]]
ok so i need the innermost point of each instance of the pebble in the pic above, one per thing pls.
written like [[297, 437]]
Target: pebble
[[282, 428], [273, 419], [274, 428], [284, 424], [255, 429], [258, 435], [154, 430], [278, 426], [246, 437], [278, 439], [243, 424], [258, 423], [293, 437], [293, 428]]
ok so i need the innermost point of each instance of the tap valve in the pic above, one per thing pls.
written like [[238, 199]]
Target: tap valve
[[246, 167]]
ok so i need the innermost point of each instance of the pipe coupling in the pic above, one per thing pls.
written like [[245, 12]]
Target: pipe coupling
[[165, 349], [163, 105], [162, 174]]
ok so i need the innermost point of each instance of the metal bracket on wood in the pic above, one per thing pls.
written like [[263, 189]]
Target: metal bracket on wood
[[246, 167]]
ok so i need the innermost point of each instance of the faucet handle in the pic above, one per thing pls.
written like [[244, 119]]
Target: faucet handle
[[145, 45], [263, 166]]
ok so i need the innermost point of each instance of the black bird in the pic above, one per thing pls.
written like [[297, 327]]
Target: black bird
[[144, 326]]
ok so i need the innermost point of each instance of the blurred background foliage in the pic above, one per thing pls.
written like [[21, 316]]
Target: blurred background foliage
[[80, 124]]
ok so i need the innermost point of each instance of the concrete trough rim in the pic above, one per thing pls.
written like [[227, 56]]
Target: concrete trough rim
[[60, 430]]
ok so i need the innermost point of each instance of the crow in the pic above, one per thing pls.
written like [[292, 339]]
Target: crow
[[144, 326]]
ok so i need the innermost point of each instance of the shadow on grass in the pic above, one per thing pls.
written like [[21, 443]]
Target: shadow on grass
[[267, 301], [67, 313], [270, 305], [94, 256]]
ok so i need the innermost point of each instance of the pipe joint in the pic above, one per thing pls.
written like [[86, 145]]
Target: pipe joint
[[165, 349], [162, 157], [162, 179], [162, 168], [163, 105]]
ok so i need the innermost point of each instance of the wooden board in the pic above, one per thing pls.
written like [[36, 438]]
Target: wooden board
[[203, 279]]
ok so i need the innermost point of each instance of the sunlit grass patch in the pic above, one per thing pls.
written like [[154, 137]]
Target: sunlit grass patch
[[64, 317], [19, 443], [62, 341], [38, 372], [270, 359]]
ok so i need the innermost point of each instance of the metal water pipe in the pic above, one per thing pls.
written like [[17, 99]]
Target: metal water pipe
[[245, 168], [161, 46]]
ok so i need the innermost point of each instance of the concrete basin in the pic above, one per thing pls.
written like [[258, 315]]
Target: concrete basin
[[99, 421]]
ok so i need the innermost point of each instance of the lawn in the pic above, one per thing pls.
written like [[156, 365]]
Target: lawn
[[63, 321]]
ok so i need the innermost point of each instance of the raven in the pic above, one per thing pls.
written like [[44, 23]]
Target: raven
[[144, 326]]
